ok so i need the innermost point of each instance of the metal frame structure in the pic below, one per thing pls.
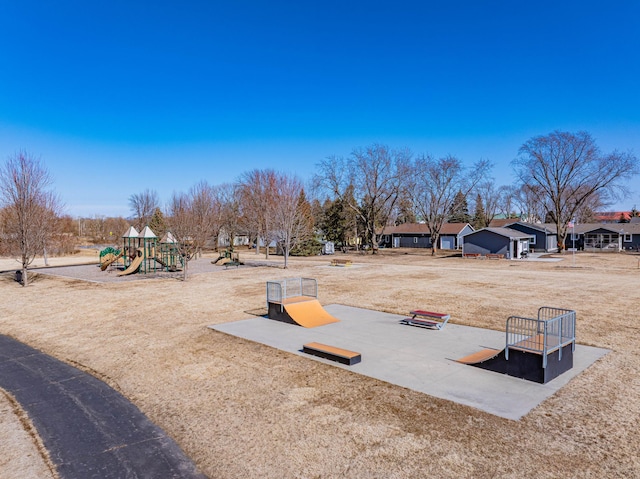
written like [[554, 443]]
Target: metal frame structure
[[278, 291], [554, 329]]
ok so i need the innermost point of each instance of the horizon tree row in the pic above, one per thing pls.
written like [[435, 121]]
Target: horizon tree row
[[561, 177], [376, 187]]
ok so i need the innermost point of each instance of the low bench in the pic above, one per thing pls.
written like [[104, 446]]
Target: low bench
[[472, 255], [325, 351], [494, 256], [418, 319], [340, 262]]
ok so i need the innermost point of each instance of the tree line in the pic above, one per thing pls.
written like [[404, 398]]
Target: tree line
[[561, 177]]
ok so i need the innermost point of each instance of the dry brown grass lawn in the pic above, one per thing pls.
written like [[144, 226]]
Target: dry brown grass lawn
[[241, 409]]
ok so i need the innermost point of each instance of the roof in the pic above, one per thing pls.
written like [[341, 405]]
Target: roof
[[581, 228], [620, 228], [613, 216], [506, 232], [168, 238], [499, 223], [421, 228], [147, 233], [544, 227], [131, 233]]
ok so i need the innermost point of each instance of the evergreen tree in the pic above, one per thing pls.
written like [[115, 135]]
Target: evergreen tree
[[334, 224], [479, 219], [459, 212], [157, 223]]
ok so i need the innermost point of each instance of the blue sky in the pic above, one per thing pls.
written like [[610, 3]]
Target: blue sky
[[116, 97]]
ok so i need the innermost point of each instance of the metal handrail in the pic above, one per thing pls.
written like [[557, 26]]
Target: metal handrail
[[278, 291], [554, 329]]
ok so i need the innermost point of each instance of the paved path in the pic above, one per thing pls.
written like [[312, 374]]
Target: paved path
[[89, 429]]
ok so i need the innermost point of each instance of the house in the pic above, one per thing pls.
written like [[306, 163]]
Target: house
[[544, 235], [604, 236], [511, 243], [418, 235]]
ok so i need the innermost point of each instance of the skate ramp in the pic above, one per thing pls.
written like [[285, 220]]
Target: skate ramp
[[308, 313], [133, 267], [480, 356]]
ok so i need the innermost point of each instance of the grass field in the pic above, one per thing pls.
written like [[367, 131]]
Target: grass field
[[241, 409]]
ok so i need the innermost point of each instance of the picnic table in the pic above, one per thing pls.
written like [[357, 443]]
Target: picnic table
[[425, 319]]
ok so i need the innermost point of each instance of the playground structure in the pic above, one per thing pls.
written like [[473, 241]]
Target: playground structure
[[294, 301], [536, 349], [142, 253], [228, 258], [108, 256]]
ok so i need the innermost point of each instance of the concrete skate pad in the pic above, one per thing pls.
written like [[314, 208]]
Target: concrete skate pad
[[417, 358]]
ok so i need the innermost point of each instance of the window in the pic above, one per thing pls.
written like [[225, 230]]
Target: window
[[627, 237], [532, 240], [415, 240]]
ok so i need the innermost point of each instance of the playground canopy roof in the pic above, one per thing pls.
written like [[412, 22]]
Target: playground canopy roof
[[131, 233], [168, 238], [147, 233]]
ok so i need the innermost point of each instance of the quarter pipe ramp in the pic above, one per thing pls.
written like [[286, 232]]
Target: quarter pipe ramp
[[307, 313], [522, 364], [479, 357]]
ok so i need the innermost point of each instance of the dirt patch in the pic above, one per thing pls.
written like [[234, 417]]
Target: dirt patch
[[22, 454], [243, 409]]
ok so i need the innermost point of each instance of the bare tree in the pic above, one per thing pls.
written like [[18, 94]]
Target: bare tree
[[191, 218], [531, 203], [206, 212], [292, 219], [257, 193], [143, 205], [180, 221], [30, 208], [569, 169], [507, 200], [586, 212], [434, 186], [100, 228], [375, 177], [490, 196], [231, 220]]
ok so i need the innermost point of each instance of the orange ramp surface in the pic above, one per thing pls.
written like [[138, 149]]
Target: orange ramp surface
[[309, 313], [480, 356], [133, 267]]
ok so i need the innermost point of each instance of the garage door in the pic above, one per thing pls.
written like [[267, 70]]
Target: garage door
[[446, 242]]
